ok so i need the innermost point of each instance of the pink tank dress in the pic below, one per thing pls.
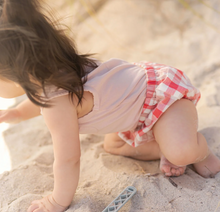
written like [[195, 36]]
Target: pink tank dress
[[130, 97]]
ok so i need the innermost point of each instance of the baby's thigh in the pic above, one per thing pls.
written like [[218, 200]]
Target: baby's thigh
[[177, 127], [115, 145]]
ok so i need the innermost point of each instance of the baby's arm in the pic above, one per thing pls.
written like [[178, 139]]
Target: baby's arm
[[23, 111], [28, 109], [62, 122]]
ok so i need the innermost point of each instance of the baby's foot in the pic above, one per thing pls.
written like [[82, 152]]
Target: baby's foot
[[169, 169], [209, 167]]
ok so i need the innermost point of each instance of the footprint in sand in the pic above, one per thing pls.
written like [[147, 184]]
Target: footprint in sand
[[127, 165], [88, 142], [98, 150]]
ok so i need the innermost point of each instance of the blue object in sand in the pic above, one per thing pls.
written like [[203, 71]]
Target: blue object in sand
[[121, 199]]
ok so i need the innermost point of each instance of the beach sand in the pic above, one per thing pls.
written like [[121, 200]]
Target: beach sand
[[158, 31]]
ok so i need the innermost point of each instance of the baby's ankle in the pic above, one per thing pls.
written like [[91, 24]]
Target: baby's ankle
[[199, 159]]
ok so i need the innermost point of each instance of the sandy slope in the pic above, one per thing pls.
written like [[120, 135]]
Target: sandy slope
[[133, 30]]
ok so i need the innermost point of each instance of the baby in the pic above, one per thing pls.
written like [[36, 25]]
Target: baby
[[147, 110]]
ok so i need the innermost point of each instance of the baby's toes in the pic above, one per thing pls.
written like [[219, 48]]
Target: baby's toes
[[32, 208], [182, 170], [175, 172], [178, 171], [166, 170]]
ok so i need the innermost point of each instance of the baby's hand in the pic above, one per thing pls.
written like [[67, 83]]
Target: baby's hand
[[47, 204], [11, 116]]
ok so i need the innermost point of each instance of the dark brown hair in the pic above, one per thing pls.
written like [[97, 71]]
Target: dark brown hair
[[35, 53]]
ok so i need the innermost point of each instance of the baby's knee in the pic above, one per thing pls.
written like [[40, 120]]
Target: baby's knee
[[107, 147], [111, 145], [182, 159], [193, 150], [183, 155]]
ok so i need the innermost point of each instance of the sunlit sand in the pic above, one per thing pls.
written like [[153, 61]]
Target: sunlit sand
[[5, 161]]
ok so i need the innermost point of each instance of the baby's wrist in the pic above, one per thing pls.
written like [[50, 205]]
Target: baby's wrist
[[56, 204], [18, 115]]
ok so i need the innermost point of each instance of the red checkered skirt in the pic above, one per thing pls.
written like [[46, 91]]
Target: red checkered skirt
[[165, 85]]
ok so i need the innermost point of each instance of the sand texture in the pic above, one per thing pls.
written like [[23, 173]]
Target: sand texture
[[134, 30]]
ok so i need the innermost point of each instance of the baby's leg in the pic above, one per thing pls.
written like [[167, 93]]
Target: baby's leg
[[209, 166], [170, 169], [149, 151], [115, 145], [179, 142]]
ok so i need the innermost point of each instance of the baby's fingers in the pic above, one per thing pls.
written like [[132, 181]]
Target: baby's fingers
[[5, 116], [40, 210], [37, 207], [32, 208], [36, 202], [2, 115]]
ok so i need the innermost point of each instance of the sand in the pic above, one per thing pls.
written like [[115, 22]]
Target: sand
[[134, 30]]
